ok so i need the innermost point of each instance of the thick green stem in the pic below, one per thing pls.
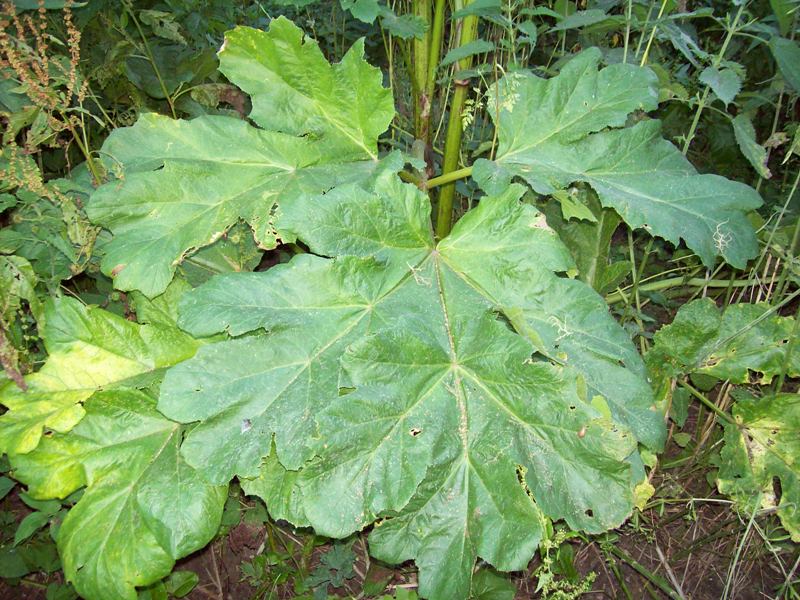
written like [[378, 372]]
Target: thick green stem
[[434, 52], [452, 146], [419, 73]]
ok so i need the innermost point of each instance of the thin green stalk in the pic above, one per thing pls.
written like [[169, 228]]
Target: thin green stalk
[[152, 62], [664, 284], [627, 30], [656, 580], [646, 21], [98, 179], [652, 34], [739, 548], [788, 581], [765, 315], [452, 146], [716, 62], [708, 403], [779, 288]]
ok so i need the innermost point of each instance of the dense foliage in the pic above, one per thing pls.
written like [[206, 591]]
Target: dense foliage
[[258, 269]]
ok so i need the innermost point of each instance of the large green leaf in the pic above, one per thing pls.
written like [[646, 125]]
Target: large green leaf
[[389, 386], [143, 507], [89, 349], [182, 184], [553, 132], [764, 445], [744, 339], [787, 56]]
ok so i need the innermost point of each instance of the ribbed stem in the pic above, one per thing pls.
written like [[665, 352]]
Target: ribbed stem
[[452, 146]]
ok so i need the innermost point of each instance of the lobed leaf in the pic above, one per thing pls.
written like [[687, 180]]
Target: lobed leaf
[[89, 350], [295, 90], [569, 128], [729, 344], [761, 446], [380, 384], [183, 184], [143, 507]]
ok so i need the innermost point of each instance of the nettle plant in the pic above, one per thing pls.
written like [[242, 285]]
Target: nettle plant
[[455, 395]]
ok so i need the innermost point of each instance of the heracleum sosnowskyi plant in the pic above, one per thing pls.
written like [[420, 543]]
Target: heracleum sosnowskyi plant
[[454, 392]]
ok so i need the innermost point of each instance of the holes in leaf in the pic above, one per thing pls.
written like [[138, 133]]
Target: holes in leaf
[[247, 425], [198, 389], [521, 470], [414, 431], [589, 513], [777, 489], [572, 407]]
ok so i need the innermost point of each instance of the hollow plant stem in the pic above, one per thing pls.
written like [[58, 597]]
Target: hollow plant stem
[[452, 146]]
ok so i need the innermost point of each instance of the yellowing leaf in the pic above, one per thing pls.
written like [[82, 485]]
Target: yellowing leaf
[[89, 350]]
